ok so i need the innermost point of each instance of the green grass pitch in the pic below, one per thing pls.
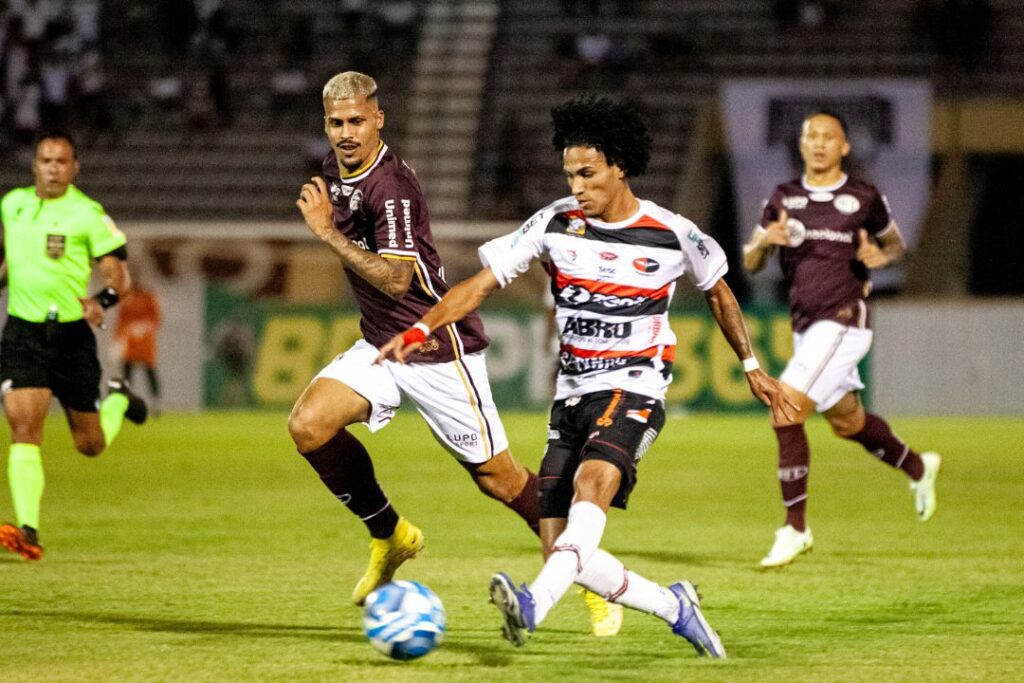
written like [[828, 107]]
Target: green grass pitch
[[203, 548]]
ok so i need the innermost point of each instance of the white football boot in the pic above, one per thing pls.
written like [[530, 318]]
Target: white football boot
[[924, 488], [789, 543]]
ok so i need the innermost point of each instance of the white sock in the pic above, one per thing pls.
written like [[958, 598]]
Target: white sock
[[572, 550], [605, 575]]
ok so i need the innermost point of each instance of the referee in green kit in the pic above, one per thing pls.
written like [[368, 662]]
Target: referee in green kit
[[52, 235]]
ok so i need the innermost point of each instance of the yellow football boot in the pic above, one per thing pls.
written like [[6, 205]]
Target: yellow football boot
[[605, 617], [387, 555]]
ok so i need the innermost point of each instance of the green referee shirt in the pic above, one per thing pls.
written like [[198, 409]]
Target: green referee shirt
[[49, 246]]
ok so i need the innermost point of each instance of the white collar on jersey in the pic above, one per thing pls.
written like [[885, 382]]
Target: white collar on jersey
[[623, 223], [822, 188]]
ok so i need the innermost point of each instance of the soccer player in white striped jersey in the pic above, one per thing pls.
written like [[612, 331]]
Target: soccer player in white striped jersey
[[613, 261]]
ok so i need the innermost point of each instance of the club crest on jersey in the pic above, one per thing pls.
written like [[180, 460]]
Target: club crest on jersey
[[577, 226], [646, 265], [355, 200], [55, 245], [571, 254], [847, 204]]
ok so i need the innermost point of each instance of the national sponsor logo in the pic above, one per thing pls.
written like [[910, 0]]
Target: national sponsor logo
[[821, 196], [392, 219], [646, 265], [830, 236], [694, 237], [608, 256], [846, 204], [588, 327], [572, 365], [792, 473], [795, 203], [576, 295]]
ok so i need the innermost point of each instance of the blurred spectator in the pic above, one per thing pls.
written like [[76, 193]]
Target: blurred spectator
[[93, 113], [178, 22], [212, 44], [399, 19], [810, 14], [135, 335], [960, 30], [289, 84]]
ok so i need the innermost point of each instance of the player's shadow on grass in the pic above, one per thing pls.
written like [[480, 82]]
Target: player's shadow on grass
[[199, 627], [485, 654]]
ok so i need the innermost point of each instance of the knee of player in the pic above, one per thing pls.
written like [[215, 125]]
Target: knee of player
[[90, 446], [308, 429], [845, 428]]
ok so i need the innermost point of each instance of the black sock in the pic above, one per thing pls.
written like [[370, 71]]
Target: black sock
[[346, 469]]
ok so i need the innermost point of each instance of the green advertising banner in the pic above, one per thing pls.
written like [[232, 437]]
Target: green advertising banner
[[262, 354]]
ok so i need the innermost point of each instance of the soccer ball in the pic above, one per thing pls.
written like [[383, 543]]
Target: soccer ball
[[404, 619]]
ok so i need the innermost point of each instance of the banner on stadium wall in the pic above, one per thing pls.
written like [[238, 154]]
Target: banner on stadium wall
[[261, 354], [889, 132]]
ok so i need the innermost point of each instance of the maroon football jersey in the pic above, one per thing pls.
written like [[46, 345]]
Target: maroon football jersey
[[381, 208], [823, 277]]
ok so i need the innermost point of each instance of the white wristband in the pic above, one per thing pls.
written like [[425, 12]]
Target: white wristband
[[420, 325], [750, 364]]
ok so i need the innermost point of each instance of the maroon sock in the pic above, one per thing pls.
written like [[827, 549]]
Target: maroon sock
[[794, 465], [877, 437], [346, 469], [527, 503]]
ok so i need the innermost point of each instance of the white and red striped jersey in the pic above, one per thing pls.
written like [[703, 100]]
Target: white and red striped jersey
[[612, 284]]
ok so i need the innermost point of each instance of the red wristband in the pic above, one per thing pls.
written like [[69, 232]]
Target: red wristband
[[413, 336]]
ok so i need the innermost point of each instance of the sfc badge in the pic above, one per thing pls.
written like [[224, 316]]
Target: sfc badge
[[55, 246]]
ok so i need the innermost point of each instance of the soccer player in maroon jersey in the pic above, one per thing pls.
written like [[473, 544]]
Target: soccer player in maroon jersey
[[829, 230], [614, 260], [368, 207]]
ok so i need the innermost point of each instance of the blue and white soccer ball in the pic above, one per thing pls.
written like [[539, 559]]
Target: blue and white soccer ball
[[404, 619]]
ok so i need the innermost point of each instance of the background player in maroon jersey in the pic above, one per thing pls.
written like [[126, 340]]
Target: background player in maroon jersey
[[829, 230], [369, 209], [613, 260]]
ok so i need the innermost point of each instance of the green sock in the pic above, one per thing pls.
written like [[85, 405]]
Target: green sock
[[25, 475], [112, 410]]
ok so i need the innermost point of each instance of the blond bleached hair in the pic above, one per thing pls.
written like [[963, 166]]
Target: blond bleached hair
[[348, 85]]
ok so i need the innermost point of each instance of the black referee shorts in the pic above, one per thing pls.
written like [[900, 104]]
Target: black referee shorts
[[615, 426], [59, 356]]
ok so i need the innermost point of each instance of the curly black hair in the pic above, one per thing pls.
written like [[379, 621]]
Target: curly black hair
[[612, 127]]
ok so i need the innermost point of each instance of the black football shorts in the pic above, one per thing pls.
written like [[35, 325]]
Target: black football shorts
[[615, 426], [58, 356]]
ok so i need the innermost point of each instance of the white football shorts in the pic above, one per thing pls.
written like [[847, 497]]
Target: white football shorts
[[824, 362], [454, 398]]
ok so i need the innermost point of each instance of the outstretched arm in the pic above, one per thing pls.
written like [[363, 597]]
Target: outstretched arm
[[460, 301], [391, 276], [768, 390]]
